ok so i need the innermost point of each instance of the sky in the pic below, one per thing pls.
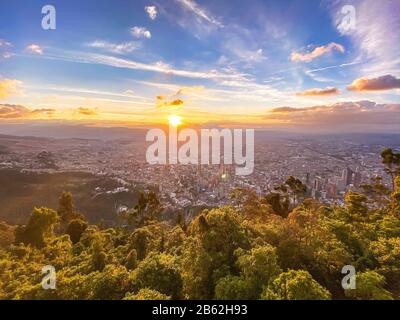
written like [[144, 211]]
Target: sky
[[263, 64]]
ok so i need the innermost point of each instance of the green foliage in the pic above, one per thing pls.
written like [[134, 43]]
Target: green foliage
[[396, 197], [66, 209], [356, 204], [277, 246], [158, 272], [369, 286], [131, 260], [111, 284], [209, 251], [146, 211], [40, 226], [233, 288], [258, 267], [99, 257], [295, 285], [75, 229], [147, 294], [6, 234], [392, 162]]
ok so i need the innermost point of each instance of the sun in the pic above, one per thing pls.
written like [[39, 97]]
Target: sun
[[175, 120]]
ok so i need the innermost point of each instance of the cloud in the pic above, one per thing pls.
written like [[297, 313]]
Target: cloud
[[45, 111], [35, 49], [4, 43], [239, 49], [119, 48], [317, 52], [84, 57], [286, 109], [140, 32], [386, 82], [162, 101], [373, 38], [189, 90], [313, 73], [191, 17], [342, 115], [7, 55], [173, 103], [129, 92], [10, 111], [9, 87], [175, 99], [86, 111], [151, 11], [199, 12], [5, 47], [328, 91]]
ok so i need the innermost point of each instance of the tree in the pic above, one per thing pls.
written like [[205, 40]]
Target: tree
[[391, 161], [6, 234], [387, 253], [110, 284], [147, 239], [40, 225], [147, 294], [131, 260], [258, 267], [66, 208], [158, 271], [356, 204], [99, 257], [248, 203], [369, 286], [396, 198], [146, 210], [75, 229], [296, 188], [208, 254], [376, 191], [278, 202], [233, 288], [295, 285]]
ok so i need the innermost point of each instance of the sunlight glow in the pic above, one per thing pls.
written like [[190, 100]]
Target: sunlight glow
[[175, 120]]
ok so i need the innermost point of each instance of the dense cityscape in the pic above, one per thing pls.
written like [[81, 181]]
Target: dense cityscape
[[329, 167]]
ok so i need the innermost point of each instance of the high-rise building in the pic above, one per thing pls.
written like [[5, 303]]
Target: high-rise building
[[347, 175], [317, 183], [331, 190], [357, 179]]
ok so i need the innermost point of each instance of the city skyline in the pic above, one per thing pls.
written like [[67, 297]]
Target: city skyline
[[275, 64]]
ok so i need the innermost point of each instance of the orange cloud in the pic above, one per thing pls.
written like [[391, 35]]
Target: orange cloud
[[290, 109], [317, 52], [162, 102], [10, 111], [386, 82], [329, 91], [9, 87], [189, 90], [86, 111], [364, 114], [174, 100]]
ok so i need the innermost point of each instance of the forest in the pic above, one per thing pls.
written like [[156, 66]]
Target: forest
[[277, 246]]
